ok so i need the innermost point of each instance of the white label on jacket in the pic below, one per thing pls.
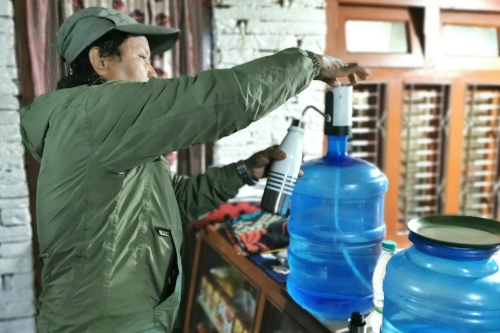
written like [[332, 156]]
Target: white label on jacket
[[163, 232]]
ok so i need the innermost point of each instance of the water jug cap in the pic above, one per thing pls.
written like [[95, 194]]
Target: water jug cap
[[389, 246]]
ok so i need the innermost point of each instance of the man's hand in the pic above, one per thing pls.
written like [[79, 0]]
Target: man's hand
[[332, 68], [258, 164]]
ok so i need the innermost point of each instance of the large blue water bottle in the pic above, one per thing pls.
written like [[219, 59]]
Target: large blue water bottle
[[336, 223], [447, 281]]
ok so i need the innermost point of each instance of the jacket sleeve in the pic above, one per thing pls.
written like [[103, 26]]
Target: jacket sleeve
[[197, 195], [132, 123]]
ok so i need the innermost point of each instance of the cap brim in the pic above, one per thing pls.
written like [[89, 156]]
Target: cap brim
[[160, 38]]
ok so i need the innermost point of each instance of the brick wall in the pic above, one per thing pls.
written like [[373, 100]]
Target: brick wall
[[245, 30], [16, 266]]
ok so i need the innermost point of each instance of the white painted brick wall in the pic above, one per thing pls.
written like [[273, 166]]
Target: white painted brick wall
[[245, 30], [17, 302]]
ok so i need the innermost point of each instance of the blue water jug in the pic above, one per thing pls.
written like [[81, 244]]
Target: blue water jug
[[447, 281], [336, 224]]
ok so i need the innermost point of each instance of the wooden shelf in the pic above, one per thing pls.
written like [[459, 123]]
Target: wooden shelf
[[273, 306]]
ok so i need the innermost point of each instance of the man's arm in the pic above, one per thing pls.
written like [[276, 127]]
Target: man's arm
[[199, 194], [132, 123]]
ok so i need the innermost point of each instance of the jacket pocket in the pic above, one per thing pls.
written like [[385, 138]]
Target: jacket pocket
[[157, 265], [166, 312]]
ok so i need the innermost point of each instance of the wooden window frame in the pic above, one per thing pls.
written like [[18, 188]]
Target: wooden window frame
[[432, 72], [486, 20], [413, 59]]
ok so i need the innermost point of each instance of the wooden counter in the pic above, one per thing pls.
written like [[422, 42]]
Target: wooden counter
[[228, 293]]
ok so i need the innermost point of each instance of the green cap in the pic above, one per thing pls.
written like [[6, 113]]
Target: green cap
[[87, 25], [389, 246]]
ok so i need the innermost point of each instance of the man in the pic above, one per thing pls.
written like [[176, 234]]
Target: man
[[109, 210]]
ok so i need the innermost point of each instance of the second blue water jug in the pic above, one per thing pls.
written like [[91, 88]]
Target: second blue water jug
[[447, 281], [336, 225]]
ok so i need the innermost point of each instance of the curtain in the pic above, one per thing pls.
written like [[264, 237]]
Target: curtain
[[36, 14], [193, 18]]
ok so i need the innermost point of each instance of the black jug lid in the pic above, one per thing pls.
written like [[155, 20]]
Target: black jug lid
[[457, 230]]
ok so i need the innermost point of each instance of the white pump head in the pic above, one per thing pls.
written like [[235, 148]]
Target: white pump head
[[338, 104]]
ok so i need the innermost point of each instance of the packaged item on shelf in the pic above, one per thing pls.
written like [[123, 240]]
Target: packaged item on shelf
[[214, 302], [210, 293], [225, 316], [224, 294], [246, 299], [202, 328], [239, 327], [204, 290], [228, 279]]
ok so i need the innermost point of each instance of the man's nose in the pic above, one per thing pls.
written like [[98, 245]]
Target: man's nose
[[151, 72]]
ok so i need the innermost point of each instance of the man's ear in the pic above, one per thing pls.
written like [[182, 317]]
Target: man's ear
[[98, 63]]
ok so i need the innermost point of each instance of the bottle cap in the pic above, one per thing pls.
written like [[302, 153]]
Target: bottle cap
[[358, 319], [298, 123], [389, 246], [357, 323]]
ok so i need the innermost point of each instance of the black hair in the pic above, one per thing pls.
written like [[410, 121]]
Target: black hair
[[108, 44]]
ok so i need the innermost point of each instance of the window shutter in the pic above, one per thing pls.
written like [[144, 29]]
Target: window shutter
[[480, 167], [423, 145]]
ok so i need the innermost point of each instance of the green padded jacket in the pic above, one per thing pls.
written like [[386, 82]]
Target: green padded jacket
[[110, 210]]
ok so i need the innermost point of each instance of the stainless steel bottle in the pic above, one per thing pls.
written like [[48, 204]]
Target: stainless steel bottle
[[283, 174]]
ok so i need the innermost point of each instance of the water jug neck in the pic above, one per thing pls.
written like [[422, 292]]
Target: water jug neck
[[450, 252], [337, 145]]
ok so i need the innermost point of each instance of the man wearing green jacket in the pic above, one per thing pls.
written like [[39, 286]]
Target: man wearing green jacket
[[109, 209]]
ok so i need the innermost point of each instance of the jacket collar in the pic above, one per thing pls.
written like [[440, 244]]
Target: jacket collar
[[75, 80]]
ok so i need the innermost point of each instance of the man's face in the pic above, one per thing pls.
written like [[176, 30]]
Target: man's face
[[134, 63]]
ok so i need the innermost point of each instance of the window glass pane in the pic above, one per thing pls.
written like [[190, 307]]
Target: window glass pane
[[470, 41], [376, 36]]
